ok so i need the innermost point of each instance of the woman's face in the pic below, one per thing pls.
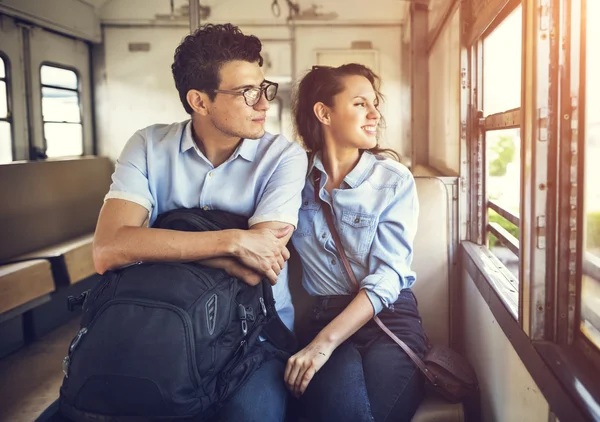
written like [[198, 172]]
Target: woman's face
[[354, 116]]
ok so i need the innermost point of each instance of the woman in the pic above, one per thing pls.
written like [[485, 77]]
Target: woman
[[350, 370]]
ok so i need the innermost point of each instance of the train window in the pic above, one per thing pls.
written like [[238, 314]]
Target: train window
[[501, 76], [590, 299], [502, 65], [61, 111], [5, 130]]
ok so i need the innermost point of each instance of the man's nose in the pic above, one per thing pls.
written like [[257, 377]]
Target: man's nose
[[263, 103]]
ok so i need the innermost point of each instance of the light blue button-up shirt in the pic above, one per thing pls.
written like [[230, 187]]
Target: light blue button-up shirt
[[161, 169], [375, 213]]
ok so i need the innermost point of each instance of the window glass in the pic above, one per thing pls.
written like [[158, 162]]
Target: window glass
[[3, 100], [503, 187], [502, 66], [61, 112], [60, 105], [590, 299], [63, 139], [6, 155], [55, 76], [5, 143]]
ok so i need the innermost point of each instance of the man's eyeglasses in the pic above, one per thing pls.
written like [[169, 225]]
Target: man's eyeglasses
[[252, 95]]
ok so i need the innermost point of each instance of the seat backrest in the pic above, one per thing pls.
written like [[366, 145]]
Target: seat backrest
[[48, 202], [431, 258]]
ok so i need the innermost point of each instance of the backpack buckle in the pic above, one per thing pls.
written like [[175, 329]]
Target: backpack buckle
[[242, 315]]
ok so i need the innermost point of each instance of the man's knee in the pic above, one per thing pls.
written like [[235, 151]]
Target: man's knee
[[263, 398]]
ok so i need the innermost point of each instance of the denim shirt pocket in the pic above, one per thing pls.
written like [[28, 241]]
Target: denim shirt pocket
[[306, 216], [358, 230]]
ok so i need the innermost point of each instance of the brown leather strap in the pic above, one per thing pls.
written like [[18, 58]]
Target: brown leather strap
[[338, 245]]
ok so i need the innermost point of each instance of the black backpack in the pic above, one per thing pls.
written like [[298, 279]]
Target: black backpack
[[169, 341]]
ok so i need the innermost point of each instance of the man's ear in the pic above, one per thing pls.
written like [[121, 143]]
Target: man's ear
[[322, 113], [198, 101]]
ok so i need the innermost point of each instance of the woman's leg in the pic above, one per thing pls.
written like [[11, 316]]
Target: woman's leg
[[338, 391], [394, 383]]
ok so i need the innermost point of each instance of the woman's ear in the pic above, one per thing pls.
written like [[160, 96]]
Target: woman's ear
[[322, 113], [197, 101]]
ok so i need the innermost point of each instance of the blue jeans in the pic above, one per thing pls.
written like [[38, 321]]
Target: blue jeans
[[368, 377], [262, 398]]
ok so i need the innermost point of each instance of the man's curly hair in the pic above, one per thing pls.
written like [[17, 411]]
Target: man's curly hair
[[200, 56]]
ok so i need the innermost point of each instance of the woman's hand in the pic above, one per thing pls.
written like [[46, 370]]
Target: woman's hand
[[302, 367]]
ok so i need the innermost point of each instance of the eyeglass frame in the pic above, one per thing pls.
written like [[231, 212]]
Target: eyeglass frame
[[263, 89]]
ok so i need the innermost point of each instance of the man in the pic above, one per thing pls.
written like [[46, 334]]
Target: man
[[223, 159]]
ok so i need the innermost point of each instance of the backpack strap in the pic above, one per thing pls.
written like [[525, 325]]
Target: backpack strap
[[275, 330]]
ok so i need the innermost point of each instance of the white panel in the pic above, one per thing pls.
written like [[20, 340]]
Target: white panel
[[12, 49], [508, 393], [72, 17], [369, 58], [135, 89], [49, 48], [277, 64], [257, 12], [386, 41], [444, 100]]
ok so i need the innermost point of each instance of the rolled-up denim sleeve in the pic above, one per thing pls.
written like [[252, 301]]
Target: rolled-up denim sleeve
[[282, 196], [130, 178], [391, 252]]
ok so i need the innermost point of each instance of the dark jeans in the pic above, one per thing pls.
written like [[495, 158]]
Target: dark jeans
[[369, 377], [263, 398]]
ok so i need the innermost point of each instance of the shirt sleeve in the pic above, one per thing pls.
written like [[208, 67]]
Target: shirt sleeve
[[282, 196], [391, 252], [130, 178]]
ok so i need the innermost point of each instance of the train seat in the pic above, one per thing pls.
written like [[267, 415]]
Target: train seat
[[51, 212], [47, 219], [431, 262]]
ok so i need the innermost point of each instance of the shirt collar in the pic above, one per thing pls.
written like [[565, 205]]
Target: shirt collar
[[246, 149], [356, 176], [187, 140]]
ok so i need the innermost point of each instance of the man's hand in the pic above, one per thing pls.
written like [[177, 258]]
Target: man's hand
[[234, 269], [264, 251]]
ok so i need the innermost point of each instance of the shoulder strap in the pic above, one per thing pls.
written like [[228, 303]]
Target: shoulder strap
[[338, 245]]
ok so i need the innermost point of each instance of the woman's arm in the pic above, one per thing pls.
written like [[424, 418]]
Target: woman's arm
[[303, 366]]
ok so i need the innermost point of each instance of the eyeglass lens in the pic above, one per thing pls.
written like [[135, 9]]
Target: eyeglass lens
[[252, 96]]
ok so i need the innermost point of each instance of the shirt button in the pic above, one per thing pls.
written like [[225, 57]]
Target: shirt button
[[357, 220], [333, 261], [305, 203], [211, 174], [205, 208], [324, 235]]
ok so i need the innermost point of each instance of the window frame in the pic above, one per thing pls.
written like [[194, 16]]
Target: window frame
[[506, 283], [8, 117], [546, 335], [76, 90]]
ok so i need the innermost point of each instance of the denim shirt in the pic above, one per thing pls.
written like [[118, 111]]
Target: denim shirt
[[161, 168], [375, 213]]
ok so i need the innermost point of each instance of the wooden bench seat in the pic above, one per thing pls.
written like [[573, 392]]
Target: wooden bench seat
[[75, 257], [23, 282]]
